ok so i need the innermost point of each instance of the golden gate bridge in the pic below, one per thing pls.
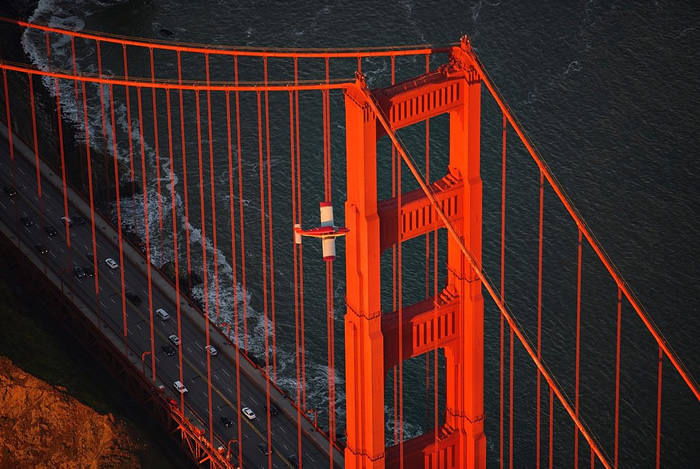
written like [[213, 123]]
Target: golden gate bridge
[[253, 109]]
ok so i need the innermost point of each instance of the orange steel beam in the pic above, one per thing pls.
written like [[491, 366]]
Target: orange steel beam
[[167, 85], [454, 89], [355, 52], [481, 275], [648, 322]]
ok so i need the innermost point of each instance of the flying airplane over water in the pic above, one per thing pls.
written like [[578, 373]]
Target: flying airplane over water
[[328, 231]]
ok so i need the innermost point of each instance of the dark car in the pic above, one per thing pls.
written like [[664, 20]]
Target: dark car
[[26, 221], [293, 460], [77, 219], [227, 422], [168, 349], [273, 409], [89, 271], [263, 449], [78, 272], [50, 230], [11, 191], [42, 249], [90, 257], [133, 297]]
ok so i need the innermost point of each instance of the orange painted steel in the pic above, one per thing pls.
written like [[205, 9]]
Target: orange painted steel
[[370, 344], [466, 54]]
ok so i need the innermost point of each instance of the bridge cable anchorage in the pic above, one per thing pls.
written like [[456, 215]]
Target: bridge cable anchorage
[[587, 232], [512, 321]]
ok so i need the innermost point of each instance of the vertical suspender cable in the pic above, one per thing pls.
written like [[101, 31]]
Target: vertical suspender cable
[[551, 427], [329, 270], [261, 173], [119, 218], [234, 267], [184, 183], [301, 246], [427, 263], [658, 410], [205, 272], [243, 279], [400, 306], [269, 226], [176, 254], [393, 267], [11, 146], [129, 134], [77, 107], [92, 202], [213, 192], [539, 318], [578, 341], [296, 267], [216, 250], [240, 213], [36, 161], [104, 119], [617, 373], [146, 231], [503, 261], [63, 159], [155, 138]]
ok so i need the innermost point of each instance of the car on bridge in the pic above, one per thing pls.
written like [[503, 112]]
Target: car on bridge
[[42, 249], [227, 422], [264, 449], [78, 272], [111, 263], [174, 339], [77, 219], [26, 221], [212, 350], [50, 230], [168, 349], [293, 460], [179, 387], [68, 220], [89, 270], [248, 412], [9, 190], [273, 409], [162, 314], [133, 297]]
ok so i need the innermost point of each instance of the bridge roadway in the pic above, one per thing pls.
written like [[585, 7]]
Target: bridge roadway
[[254, 432]]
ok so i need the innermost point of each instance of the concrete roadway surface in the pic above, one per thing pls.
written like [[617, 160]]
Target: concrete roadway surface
[[26, 203]]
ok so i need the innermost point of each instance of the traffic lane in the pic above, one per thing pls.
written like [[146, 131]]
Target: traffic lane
[[141, 332], [53, 207]]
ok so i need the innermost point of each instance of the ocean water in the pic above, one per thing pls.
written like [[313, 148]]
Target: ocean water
[[607, 91]]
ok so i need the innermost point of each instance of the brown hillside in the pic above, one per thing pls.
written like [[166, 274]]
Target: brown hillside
[[42, 426]]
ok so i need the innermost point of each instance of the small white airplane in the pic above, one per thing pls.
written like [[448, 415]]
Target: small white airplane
[[327, 232]]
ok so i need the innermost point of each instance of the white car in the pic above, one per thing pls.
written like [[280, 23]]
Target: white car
[[111, 263], [162, 314], [174, 339], [248, 413], [180, 387], [211, 349]]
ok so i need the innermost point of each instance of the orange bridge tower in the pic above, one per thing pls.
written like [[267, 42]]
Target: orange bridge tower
[[451, 321]]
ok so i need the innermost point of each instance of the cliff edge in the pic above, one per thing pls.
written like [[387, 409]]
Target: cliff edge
[[42, 426]]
